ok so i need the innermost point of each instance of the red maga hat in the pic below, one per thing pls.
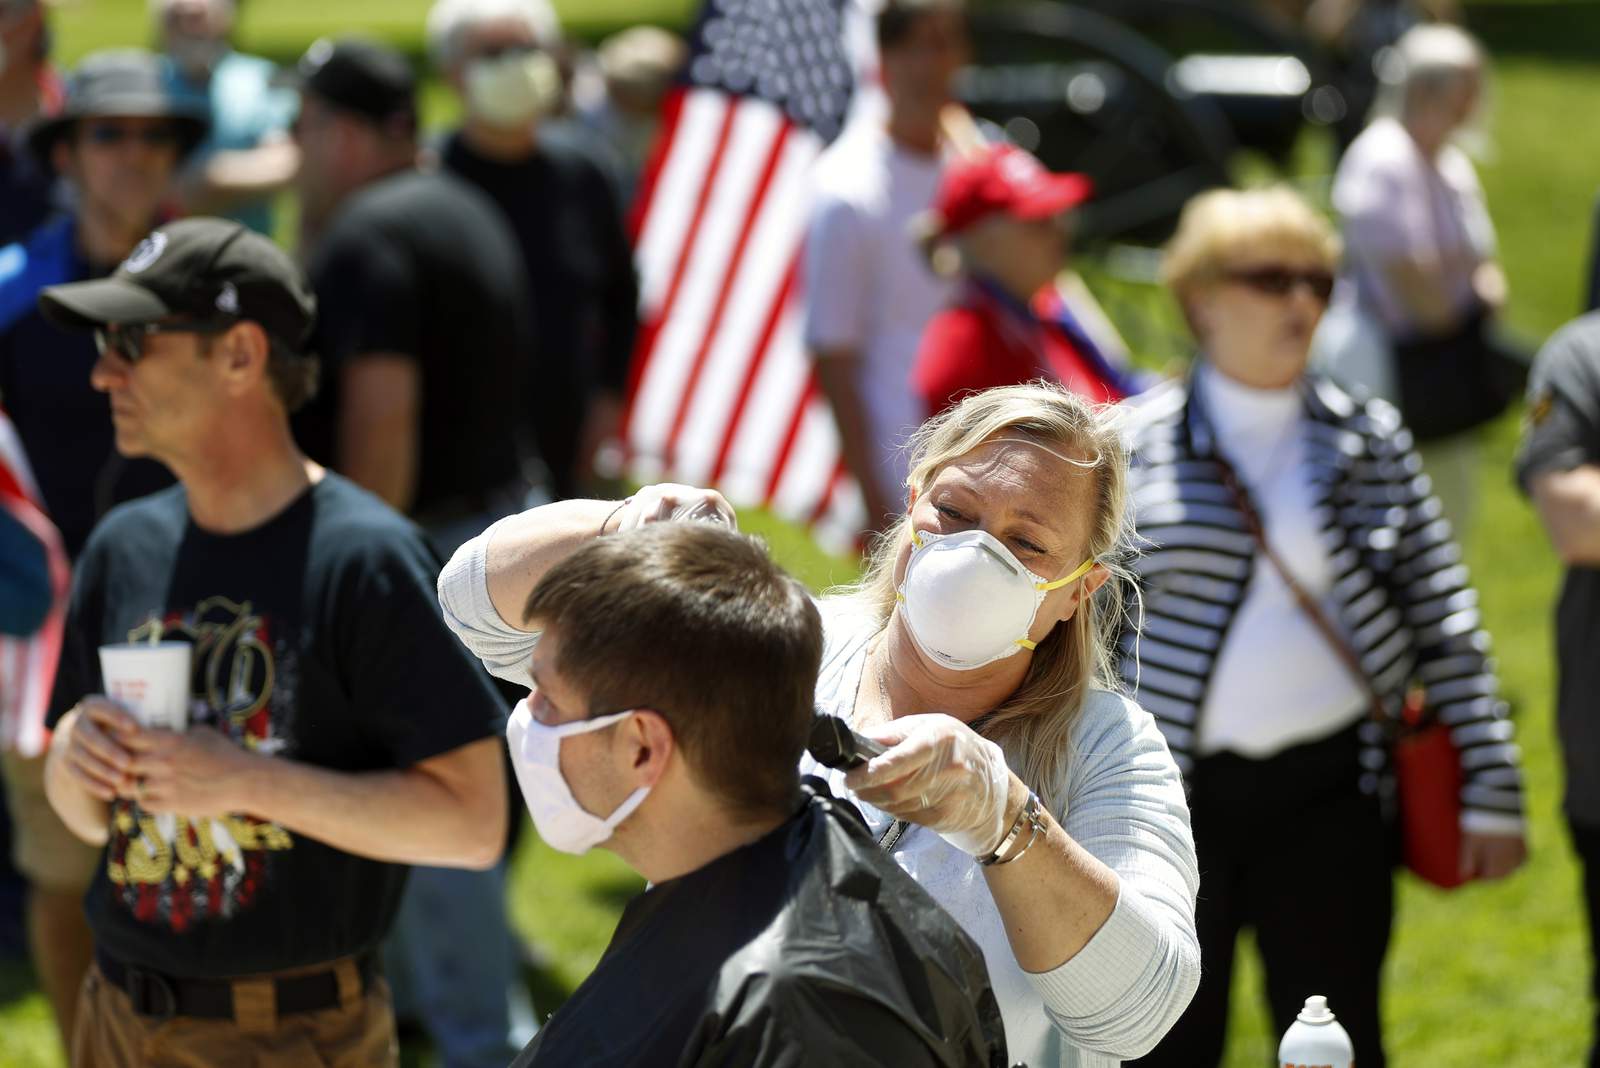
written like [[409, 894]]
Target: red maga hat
[[1004, 178]]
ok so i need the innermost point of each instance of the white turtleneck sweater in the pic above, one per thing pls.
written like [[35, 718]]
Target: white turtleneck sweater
[[1276, 683]]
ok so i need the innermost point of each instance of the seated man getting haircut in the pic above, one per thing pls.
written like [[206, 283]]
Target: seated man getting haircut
[[672, 697]]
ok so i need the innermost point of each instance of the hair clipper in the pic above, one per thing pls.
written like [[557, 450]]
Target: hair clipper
[[835, 745]]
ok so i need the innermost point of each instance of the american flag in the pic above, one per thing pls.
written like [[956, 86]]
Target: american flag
[[722, 391], [28, 665]]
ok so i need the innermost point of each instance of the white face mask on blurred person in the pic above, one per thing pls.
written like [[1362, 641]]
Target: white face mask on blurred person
[[968, 601], [536, 756], [513, 88]]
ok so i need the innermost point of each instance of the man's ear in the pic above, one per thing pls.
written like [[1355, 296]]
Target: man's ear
[[243, 351], [650, 745]]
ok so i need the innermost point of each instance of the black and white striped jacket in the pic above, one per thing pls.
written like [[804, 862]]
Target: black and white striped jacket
[[1401, 590]]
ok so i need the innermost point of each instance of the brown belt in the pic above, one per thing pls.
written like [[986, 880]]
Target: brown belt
[[165, 996]]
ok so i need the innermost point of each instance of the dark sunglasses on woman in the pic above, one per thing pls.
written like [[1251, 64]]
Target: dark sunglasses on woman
[[127, 339], [1280, 281]]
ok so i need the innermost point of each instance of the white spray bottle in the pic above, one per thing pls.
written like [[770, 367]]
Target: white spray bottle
[[1315, 1039]]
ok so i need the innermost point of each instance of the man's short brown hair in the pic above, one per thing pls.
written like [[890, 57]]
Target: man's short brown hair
[[294, 375], [696, 623]]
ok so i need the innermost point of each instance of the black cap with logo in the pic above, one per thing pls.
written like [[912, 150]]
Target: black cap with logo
[[360, 76], [197, 269]]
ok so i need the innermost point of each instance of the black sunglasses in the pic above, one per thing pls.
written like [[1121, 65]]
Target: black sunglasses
[[127, 339], [1280, 281], [110, 134]]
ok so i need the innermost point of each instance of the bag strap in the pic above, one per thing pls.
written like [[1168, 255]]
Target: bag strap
[[1308, 604]]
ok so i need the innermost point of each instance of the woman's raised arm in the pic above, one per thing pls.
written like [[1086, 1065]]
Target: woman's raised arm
[[483, 589]]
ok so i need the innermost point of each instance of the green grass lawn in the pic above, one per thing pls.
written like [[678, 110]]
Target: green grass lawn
[[285, 27], [1490, 975]]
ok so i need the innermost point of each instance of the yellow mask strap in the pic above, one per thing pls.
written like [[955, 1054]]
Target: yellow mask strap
[[1078, 573]]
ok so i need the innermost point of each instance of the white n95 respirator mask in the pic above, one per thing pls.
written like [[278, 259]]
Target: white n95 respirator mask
[[968, 601], [536, 756], [513, 88]]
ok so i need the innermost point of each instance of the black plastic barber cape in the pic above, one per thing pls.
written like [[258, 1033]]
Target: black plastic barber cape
[[807, 947]]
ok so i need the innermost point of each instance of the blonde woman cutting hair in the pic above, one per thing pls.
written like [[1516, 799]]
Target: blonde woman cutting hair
[[1036, 804]]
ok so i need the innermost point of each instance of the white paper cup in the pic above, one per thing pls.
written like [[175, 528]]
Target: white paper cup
[[150, 681]]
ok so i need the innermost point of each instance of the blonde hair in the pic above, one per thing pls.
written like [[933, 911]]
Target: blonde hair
[[1216, 227], [1034, 725]]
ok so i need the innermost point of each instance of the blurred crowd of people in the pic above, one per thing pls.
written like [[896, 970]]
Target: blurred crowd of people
[[453, 336]]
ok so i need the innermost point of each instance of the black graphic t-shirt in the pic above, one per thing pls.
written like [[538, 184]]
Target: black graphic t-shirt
[[317, 638]]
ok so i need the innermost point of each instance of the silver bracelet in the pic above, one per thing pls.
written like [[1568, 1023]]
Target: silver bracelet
[[1031, 816]]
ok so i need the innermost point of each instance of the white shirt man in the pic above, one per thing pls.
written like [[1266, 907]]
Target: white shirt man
[[868, 290]]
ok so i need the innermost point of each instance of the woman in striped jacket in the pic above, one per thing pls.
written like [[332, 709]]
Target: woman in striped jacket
[[1259, 488]]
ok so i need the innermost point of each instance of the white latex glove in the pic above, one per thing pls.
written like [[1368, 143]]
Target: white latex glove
[[941, 774], [668, 501]]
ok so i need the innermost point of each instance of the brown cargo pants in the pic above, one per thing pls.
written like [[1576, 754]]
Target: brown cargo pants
[[358, 1033]]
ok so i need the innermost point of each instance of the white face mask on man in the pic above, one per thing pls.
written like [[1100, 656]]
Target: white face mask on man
[[968, 601], [536, 757], [513, 88]]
